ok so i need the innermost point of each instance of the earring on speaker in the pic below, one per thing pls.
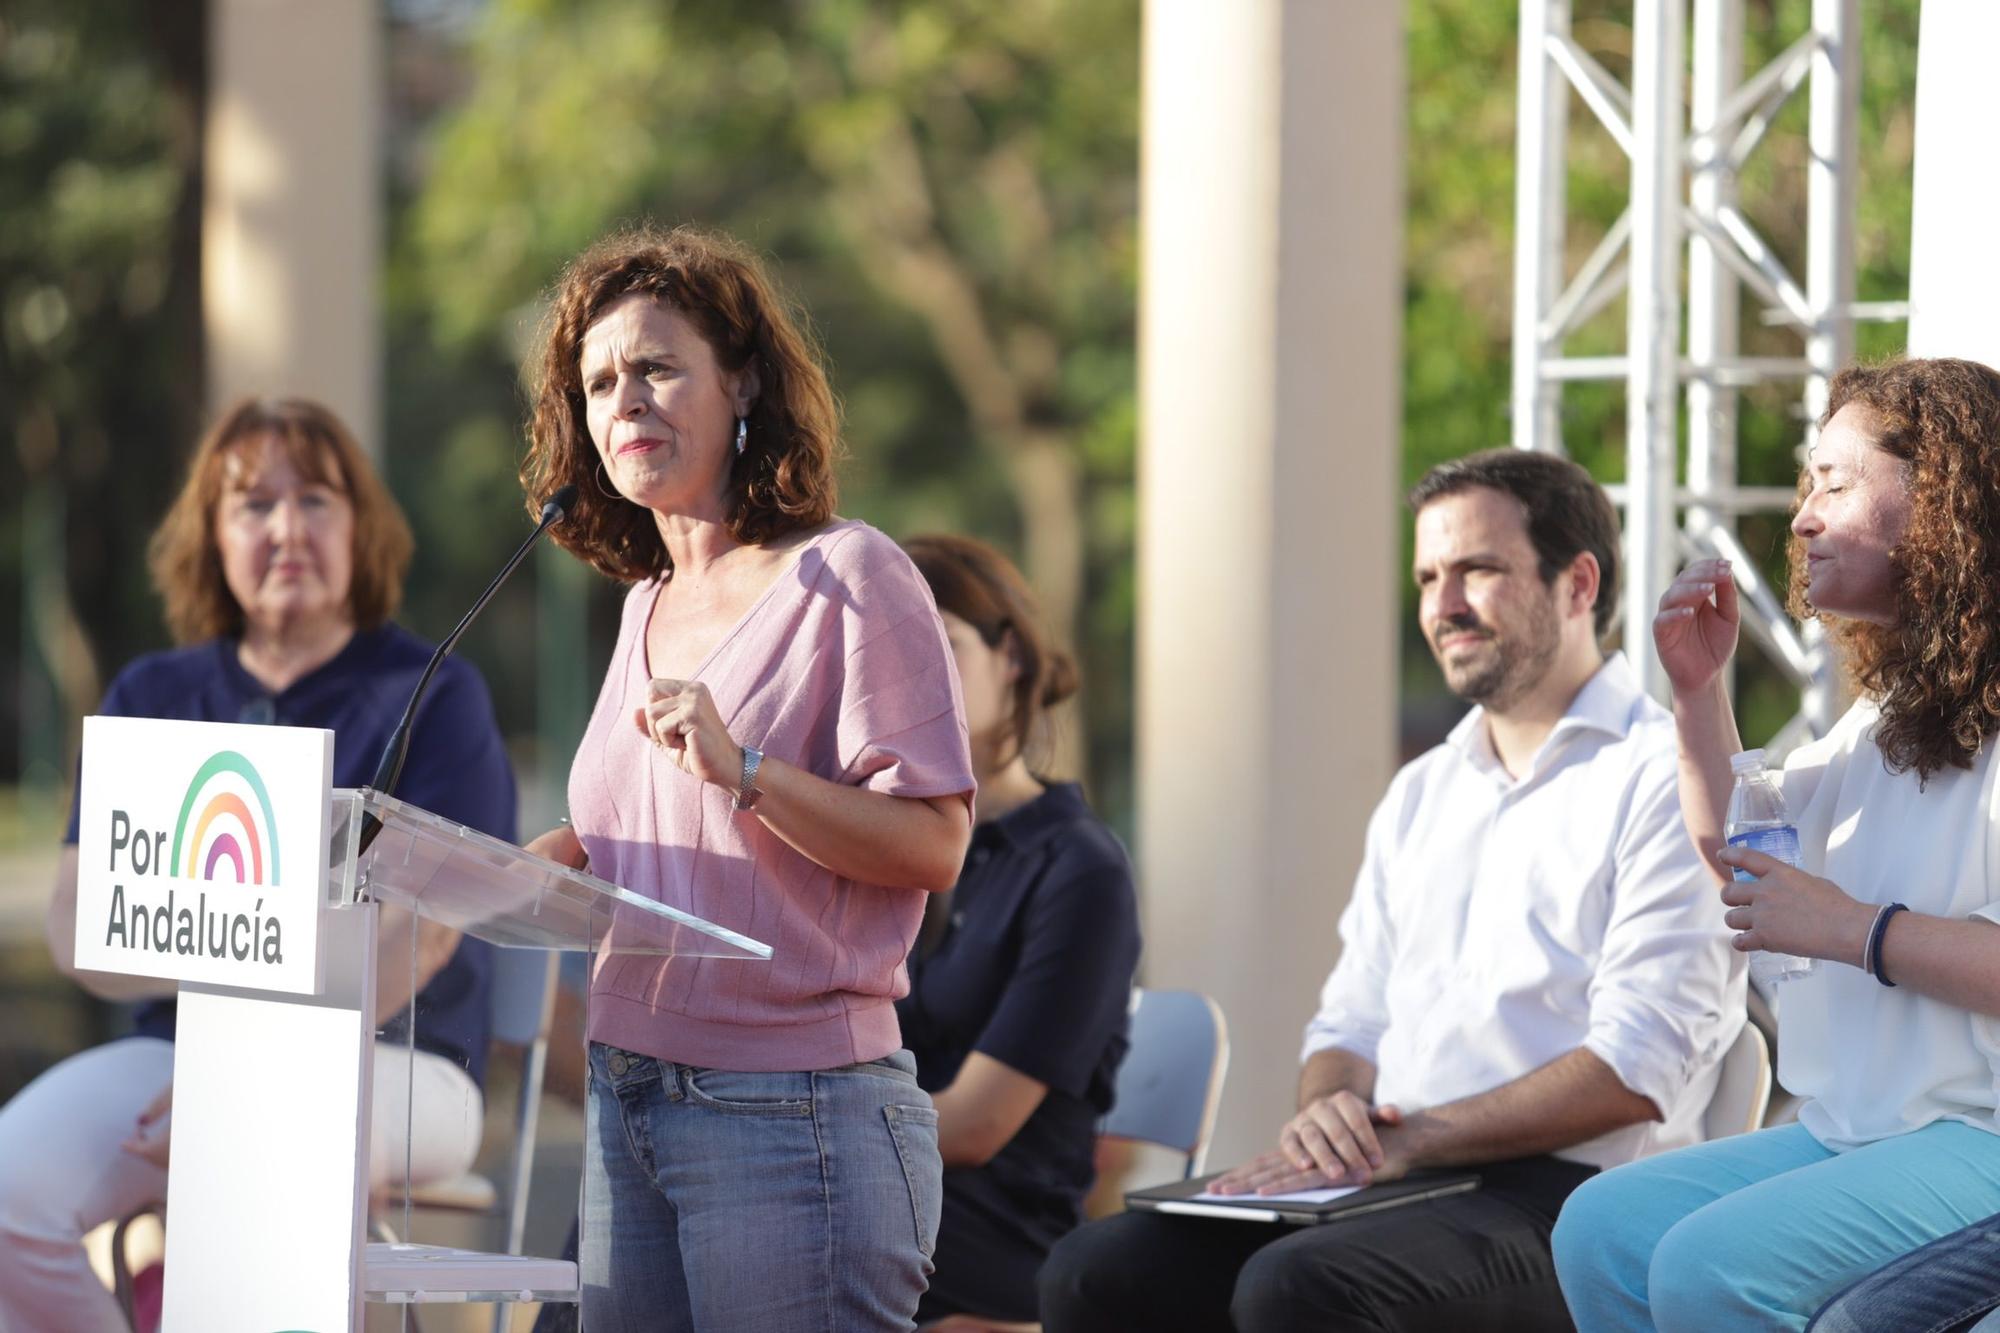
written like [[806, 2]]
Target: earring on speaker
[[600, 476], [742, 434]]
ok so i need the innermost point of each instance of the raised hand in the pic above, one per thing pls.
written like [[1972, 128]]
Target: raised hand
[[1696, 627], [681, 716]]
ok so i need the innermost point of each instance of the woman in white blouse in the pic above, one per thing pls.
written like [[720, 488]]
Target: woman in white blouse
[[1892, 1038]]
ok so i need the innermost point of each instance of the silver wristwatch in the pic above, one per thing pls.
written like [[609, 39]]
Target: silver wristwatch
[[747, 791]]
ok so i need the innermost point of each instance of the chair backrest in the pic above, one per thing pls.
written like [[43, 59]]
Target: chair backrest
[[523, 1000], [1742, 1089], [1171, 1082]]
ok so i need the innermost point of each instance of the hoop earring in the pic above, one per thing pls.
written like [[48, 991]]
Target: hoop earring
[[742, 434], [600, 476]]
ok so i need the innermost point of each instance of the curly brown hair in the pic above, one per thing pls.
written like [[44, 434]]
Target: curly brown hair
[[783, 482], [187, 566], [1936, 671]]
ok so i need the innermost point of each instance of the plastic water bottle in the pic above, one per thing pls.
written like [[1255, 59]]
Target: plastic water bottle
[[1757, 819]]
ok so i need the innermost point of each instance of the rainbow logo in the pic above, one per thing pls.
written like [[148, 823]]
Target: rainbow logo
[[227, 827]]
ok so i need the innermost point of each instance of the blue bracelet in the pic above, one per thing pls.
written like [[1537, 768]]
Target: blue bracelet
[[1873, 954]]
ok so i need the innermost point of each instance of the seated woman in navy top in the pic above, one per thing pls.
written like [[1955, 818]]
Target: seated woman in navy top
[[280, 563], [1021, 976]]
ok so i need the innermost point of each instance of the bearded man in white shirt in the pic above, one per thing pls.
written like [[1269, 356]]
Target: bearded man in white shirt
[[1535, 980]]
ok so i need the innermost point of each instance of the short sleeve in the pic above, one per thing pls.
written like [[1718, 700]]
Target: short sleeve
[[457, 765], [1353, 1004], [1667, 996], [901, 723], [1986, 1027], [1069, 992], [1990, 909]]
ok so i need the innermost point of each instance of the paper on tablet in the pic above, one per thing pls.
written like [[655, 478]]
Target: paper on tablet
[[1296, 1196]]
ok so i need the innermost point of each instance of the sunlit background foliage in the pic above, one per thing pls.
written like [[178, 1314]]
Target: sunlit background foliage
[[948, 186]]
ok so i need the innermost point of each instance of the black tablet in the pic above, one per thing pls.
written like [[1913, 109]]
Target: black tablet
[[1191, 1198]]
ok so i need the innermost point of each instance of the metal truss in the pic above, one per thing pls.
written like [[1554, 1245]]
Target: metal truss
[[1687, 123]]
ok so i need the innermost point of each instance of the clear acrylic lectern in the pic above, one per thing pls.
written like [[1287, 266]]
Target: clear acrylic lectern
[[443, 872], [495, 891], [288, 943]]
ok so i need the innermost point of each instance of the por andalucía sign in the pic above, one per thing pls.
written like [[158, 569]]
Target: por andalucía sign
[[202, 851]]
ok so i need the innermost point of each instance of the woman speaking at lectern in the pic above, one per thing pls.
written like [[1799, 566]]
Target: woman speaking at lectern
[[779, 747], [280, 563]]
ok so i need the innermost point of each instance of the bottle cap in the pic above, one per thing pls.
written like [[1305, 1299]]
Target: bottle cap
[[1747, 761]]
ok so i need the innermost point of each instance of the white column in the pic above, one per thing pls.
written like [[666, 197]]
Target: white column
[[291, 210], [1954, 267], [1270, 317]]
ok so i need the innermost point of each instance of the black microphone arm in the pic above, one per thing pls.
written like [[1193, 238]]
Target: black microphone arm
[[390, 768]]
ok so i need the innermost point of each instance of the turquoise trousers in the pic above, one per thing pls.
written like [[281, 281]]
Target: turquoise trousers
[[1759, 1230]]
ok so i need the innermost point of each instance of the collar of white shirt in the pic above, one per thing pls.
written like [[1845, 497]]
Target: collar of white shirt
[[1609, 702]]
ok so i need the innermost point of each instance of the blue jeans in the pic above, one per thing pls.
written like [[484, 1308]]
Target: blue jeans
[[1759, 1230], [1947, 1284], [777, 1203]]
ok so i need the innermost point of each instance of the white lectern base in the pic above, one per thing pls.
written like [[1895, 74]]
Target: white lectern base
[[435, 1274]]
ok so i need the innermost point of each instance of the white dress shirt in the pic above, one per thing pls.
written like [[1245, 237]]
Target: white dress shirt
[[1499, 924], [1878, 1060]]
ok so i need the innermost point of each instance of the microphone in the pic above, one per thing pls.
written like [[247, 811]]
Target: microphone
[[390, 768]]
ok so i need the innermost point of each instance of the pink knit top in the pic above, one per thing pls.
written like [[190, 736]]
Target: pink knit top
[[841, 668]]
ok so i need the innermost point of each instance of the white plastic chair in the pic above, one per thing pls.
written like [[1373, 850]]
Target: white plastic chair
[[1170, 1085], [1743, 1088]]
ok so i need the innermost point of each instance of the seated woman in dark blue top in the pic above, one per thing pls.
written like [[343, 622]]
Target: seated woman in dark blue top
[[280, 563], [1021, 976]]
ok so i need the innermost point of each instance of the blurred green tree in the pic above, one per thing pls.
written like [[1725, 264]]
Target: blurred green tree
[[949, 186], [950, 189], [100, 371], [100, 396]]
